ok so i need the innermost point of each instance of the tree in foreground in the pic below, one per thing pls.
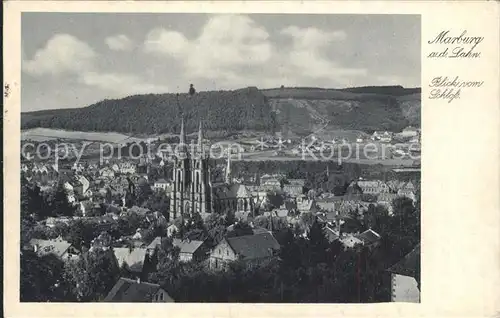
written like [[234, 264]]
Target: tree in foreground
[[58, 203], [216, 228], [41, 278], [81, 233], [317, 243], [93, 275]]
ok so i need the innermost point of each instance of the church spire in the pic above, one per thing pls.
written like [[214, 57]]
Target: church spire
[[228, 168], [182, 139], [182, 136], [200, 138]]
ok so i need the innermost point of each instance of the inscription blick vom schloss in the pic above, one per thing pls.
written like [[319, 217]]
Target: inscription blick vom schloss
[[452, 46]]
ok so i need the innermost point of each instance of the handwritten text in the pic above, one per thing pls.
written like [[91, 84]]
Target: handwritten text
[[450, 88], [461, 46]]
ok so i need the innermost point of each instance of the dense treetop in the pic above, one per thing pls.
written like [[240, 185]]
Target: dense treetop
[[160, 113]]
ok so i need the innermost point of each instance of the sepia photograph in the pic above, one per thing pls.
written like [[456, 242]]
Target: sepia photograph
[[220, 158]]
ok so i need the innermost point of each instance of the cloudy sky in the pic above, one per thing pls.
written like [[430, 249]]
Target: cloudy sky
[[76, 59]]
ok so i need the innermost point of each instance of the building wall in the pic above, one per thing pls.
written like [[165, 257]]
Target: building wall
[[350, 241], [409, 133], [244, 205], [404, 289], [162, 297], [185, 257], [293, 189], [160, 186], [221, 256]]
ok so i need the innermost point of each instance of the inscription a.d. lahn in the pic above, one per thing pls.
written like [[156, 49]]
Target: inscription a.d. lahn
[[461, 46], [449, 88]]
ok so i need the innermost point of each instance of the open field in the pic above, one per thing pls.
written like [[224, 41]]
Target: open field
[[42, 134], [45, 134], [250, 138]]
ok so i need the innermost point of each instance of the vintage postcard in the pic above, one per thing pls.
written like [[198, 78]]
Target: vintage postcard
[[260, 159]]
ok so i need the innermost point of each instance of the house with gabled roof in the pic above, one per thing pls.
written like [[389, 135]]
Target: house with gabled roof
[[373, 186], [346, 207], [329, 204], [244, 202], [253, 250], [133, 257], [58, 247], [153, 247], [155, 243], [294, 187], [85, 207], [407, 190], [135, 291], [270, 184], [384, 136], [369, 237], [305, 205], [410, 132], [190, 250], [385, 199], [405, 278], [331, 235]]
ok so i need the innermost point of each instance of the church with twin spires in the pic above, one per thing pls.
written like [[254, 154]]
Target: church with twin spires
[[192, 188]]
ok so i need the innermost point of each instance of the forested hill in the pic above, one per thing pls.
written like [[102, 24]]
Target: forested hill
[[159, 113], [363, 108]]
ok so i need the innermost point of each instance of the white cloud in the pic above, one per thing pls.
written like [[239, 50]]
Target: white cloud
[[166, 42], [119, 42], [225, 43], [63, 53], [308, 54], [313, 37], [121, 84], [232, 40], [230, 45]]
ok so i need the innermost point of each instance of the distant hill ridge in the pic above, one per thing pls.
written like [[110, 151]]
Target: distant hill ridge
[[302, 109], [346, 93]]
